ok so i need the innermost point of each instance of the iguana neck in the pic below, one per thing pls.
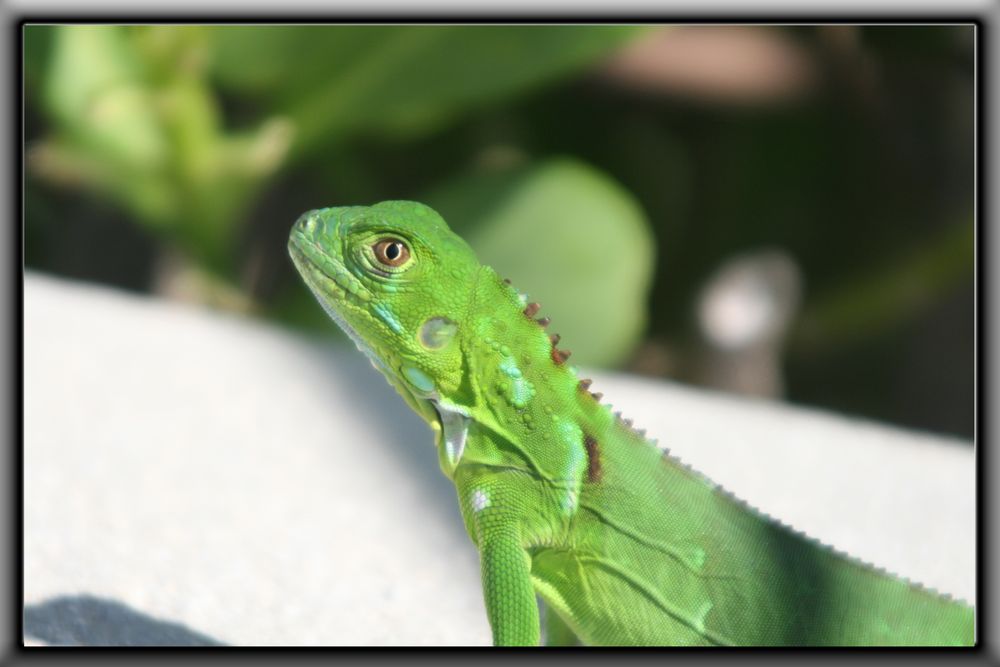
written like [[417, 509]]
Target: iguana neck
[[520, 388]]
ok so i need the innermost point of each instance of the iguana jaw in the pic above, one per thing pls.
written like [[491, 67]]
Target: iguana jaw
[[328, 290], [332, 295]]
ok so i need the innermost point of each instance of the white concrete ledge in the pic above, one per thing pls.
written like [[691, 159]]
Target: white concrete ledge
[[192, 477]]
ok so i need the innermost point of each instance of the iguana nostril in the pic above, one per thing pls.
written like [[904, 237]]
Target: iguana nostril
[[303, 221]]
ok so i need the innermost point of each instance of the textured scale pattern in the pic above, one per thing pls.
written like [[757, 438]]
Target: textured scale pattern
[[563, 498]]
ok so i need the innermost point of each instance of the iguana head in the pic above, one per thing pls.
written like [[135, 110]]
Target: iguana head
[[398, 281]]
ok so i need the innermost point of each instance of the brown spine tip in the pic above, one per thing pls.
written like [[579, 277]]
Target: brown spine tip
[[584, 384], [506, 281], [555, 338], [531, 309], [544, 321], [597, 396], [593, 458], [560, 356]]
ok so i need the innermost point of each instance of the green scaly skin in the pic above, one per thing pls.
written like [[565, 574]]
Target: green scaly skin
[[625, 544]]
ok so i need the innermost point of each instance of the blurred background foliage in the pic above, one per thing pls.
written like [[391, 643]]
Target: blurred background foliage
[[778, 211]]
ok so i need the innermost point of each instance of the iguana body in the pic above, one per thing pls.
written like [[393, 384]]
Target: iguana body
[[563, 498]]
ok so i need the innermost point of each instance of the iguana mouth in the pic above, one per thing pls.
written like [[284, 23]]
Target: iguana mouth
[[321, 270], [326, 288], [314, 273]]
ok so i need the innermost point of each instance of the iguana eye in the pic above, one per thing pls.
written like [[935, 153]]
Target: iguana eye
[[391, 252]]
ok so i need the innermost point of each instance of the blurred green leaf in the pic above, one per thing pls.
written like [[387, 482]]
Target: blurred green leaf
[[401, 80], [570, 237], [134, 119], [95, 93]]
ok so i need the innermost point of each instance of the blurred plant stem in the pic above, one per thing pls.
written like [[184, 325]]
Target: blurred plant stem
[[178, 278], [134, 118], [875, 301]]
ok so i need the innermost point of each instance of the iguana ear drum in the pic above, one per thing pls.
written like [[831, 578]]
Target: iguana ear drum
[[437, 332]]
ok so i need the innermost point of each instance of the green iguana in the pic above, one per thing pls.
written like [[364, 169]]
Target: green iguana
[[564, 499]]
